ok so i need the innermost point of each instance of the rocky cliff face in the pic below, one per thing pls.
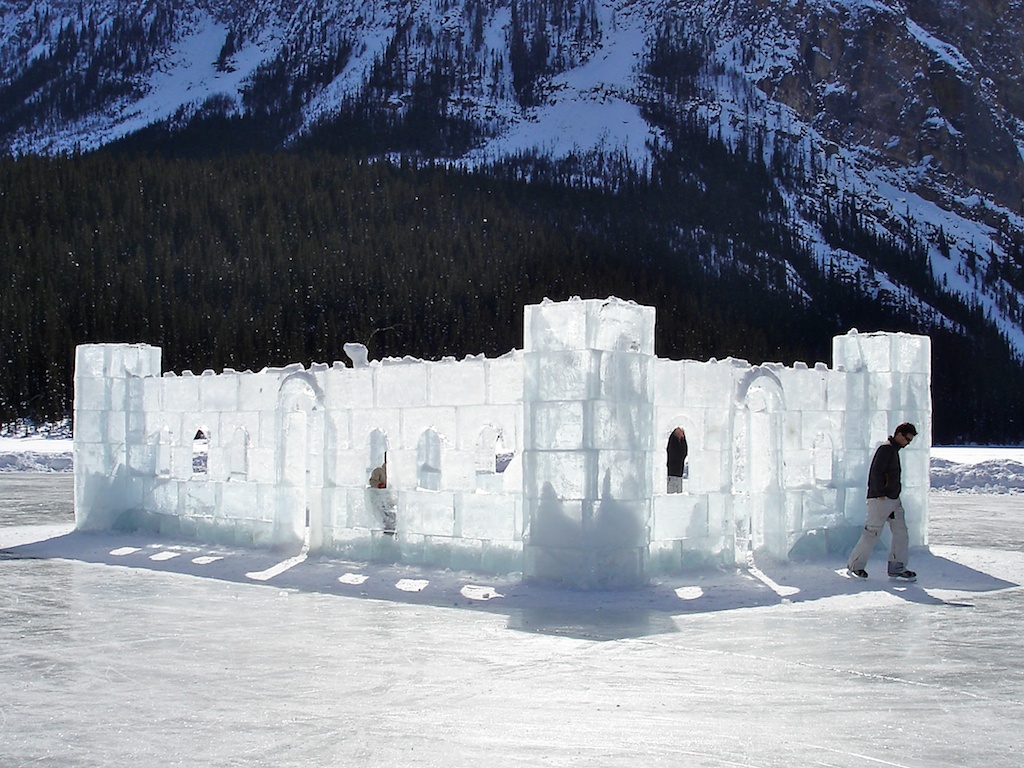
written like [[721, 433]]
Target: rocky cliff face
[[928, 86]]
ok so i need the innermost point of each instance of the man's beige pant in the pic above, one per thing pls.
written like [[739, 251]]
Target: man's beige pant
[[880, 512]]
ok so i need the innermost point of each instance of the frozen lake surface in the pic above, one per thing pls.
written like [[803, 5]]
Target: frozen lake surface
[[132, 651]]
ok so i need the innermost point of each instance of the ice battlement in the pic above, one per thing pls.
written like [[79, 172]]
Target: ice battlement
[[548, 460]]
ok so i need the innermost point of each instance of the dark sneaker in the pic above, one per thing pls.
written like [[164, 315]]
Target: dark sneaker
[[903, 575], [859, 573]]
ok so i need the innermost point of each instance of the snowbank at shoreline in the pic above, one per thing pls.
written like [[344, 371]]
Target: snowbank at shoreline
[[954, 469]]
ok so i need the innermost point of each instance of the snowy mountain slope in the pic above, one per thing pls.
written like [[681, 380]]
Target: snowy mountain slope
[[913, 109]]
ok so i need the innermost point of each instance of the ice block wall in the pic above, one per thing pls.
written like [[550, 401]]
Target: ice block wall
[[550, 460], [107, 396], [888, 382], [588, 418]]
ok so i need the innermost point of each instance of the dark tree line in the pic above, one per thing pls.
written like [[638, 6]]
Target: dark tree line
[[257, 259]]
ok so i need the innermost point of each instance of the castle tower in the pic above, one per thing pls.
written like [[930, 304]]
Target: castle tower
[[888, 381], [106, 394], [588, 449]]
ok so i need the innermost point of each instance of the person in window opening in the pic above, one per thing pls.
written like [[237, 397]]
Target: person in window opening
[[677, 451], [383, 500], [884, 506]]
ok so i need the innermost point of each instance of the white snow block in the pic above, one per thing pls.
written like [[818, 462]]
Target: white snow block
[[400, 385], [565, 472], [199, 499], [912, 353], [219, 393], [667, 382], [562, 375], [257, 392], [556, 425], [708, 385], [624, 377], [133, 360], [349, 388], [504, 380], [620, 425], [181, 394], [863, 351], [623, 475], [555, 326], [487, 516], [606, 324], [679, 516], [429, 513], [239, 501], [91, 394], [805, 388], [457, 383], [91, 361]]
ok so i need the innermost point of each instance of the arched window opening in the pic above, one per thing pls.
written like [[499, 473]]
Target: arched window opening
[[677, 450], [491, 459], [163, 452], [200, 452], [378, 450], [238, 455], [428, 461], [822, 458]]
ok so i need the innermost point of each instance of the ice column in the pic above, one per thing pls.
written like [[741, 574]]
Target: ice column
[[889, 382], [106, 395], [589, 441]]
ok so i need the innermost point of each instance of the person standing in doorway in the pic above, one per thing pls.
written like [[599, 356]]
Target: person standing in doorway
[[677, 451], [383, 499], [884, 506]]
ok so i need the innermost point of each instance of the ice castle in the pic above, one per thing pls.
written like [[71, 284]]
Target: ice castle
[[548, 461]]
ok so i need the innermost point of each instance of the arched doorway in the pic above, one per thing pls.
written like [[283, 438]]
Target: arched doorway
[[299, 514], [759, 504]]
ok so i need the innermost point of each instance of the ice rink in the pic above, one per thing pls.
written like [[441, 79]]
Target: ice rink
[[130, 651]]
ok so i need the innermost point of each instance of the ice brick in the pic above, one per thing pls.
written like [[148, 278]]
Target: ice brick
[[624, 377], [568, 473], [555, 326], [667, 382], [92, 394], [504, 380], [556, 425], [619, 425], [401, 385], [219, 393], [258, 392], [679, 516], [565, 375], [428, 513], [486, 516], [91, 361], [620, 326], [346, 388], [456, 383], [708, 385]]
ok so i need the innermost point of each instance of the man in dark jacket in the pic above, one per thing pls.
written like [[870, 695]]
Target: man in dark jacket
[[884, 507], [677, 451]]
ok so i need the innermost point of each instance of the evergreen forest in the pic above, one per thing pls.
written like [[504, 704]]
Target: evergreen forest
[[252, 259]]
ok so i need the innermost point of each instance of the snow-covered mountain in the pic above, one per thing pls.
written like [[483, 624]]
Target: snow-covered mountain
[[912, 110]]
